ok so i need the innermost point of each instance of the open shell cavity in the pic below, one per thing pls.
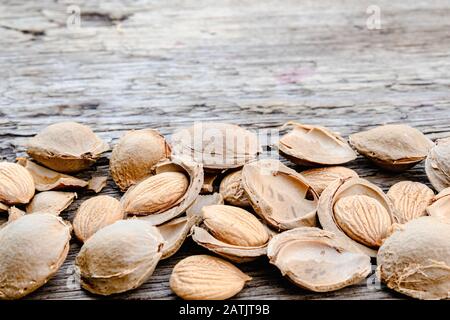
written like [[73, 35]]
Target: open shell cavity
[[314, 145], [280, 195]]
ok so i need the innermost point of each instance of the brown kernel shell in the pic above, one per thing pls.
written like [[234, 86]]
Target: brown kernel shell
[[94, 214], [203, 277]]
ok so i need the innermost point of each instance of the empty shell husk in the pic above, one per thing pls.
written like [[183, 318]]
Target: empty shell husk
[[317, 260], [134, 156], [314, 145], [66, 147], [46, 179], [358, 212], [216, 145], [97, 184], [53, 202], [201, 201], [280, 195], [320, 178], [175, 232], [396, 147]]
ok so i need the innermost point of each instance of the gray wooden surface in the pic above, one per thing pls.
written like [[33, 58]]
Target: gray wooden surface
[[165, 64]]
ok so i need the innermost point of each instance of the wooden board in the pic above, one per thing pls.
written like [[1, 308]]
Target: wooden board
[[258, 64]]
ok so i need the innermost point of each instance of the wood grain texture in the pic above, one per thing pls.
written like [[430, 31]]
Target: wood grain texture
[[166, 64]]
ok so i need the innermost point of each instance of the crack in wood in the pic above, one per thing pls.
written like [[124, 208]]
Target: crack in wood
[[34, 32]]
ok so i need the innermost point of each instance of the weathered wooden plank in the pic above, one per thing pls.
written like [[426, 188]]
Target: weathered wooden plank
[[258, 64]]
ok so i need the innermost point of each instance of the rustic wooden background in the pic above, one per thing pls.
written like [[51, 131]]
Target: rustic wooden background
[[165, 64]]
